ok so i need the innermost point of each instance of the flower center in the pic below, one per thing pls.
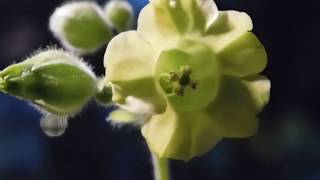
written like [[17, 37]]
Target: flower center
[[175, 82]]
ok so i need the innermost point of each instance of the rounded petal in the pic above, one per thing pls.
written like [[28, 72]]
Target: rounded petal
[[259, 87], [128, 53], [175, 17], [150, 25], [229, 26], [202, 12], [209, 10], [244, 56], [171, 16], [180, 135], [237, 105], [129, 62], [205, 71]]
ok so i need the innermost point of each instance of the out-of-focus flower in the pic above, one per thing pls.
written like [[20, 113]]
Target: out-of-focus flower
[[194, 71], [120, 14], [81, 26]]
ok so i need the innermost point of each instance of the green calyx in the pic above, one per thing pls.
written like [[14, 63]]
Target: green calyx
[[53, 80]]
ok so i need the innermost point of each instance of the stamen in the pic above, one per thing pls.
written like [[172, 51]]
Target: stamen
[[194, 85], [176, 81], [173, 76], [184, 80], [179, 91], [186, 70]]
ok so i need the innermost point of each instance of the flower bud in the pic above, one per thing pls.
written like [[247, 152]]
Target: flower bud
[[80, 26], [53, 80], [120, 14]]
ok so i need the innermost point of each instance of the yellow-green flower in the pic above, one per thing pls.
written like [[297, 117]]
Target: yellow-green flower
[[194, 71]]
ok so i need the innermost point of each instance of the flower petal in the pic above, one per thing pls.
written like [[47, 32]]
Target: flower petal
[[137, 106], [202, 12], [156, 26], [229, 26], [244, 56], [237, 105], [179, 16], [121, 116], [259, 87], [180, 135], [129, 62], [147, 26]]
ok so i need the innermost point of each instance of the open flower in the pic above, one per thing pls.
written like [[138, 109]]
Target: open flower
[[194, 71]]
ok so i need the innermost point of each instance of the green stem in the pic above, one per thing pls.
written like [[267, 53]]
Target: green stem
[[160, 168]]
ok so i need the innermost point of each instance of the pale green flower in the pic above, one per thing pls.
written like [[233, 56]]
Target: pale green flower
[[194, 71]]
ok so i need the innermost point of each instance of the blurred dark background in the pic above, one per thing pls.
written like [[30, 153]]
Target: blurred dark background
[[286, 147]]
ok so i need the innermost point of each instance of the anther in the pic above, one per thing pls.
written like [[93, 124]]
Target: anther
[[194, 85], [173, 76], [179, 91], [184, 81], [186, 70]]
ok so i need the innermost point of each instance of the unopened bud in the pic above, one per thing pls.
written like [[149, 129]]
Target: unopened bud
[[120, 14], [80, 26], [53, 80]]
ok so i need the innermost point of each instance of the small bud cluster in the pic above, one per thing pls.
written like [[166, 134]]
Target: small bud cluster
[[84, 27]]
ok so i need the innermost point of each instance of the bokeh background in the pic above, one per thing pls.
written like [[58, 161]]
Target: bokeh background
[[287, 147]]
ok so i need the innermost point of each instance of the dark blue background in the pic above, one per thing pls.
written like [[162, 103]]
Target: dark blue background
[[287, 146]]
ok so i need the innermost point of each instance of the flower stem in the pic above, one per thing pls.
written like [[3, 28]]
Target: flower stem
[[160, 168]]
